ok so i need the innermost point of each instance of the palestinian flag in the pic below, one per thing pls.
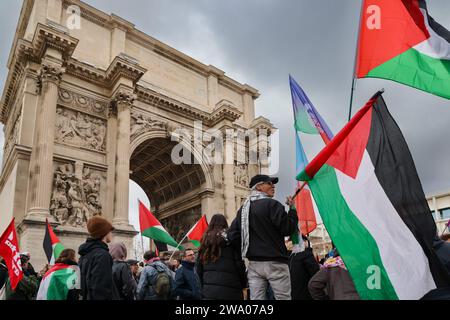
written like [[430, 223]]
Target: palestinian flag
[[152, 228], [57, 282], [370, 198], [195, 234], [399, 41], [52, 246]]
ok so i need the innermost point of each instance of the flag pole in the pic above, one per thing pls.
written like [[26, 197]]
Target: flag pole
[[355, 63], [142, 239], [178, 245], [446, 226], [299, 189]]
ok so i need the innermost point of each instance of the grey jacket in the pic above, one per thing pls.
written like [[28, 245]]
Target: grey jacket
[[147, 280], [332, 283]]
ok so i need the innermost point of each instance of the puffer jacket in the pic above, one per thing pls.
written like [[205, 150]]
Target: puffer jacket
[[225, 278], [96, 270]]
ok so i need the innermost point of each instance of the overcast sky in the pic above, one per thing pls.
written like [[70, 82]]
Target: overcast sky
[[261, 42]]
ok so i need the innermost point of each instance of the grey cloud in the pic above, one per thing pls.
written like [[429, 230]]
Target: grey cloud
[[261, 41]]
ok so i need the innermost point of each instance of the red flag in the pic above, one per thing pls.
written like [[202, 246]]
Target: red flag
[[196, 233], [305, 212], [9, 250]]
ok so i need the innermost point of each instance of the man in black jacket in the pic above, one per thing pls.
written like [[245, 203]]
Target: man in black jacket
[[187, 282], [259, 230], [96, 262]]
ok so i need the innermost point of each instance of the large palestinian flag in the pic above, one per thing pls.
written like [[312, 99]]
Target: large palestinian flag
[[52, 245], [152, 228], [399, 41], [57, 282], [371, 201]]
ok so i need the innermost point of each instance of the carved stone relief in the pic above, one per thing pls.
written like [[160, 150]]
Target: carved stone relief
[[86, 104], [241, 175], [141, 123], [12, 137], [178, 225], [80, 130], [76, 197]]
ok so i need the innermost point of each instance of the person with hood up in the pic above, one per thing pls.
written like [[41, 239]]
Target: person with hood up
[[96, 262], [219, 266], [124, 286], [333, 281], [155, 282]]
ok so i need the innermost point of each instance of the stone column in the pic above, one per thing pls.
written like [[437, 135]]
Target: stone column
[[41, 162], [124, 100], [228, 174], [207, 203]]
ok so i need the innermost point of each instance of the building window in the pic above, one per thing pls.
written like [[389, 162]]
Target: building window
[[444, 213]]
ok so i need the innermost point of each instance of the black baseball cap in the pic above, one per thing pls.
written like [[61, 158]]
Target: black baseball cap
[[262, 178]]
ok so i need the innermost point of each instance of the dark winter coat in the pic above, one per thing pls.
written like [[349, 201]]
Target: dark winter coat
[[26, 289], [302, 267], [442, 250], [225, 278], [187, 282], [96, 270], [268, 225], [332, 283], [124, 285]]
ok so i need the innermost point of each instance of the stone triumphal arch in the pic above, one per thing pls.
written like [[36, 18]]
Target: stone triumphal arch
[[90, 105]]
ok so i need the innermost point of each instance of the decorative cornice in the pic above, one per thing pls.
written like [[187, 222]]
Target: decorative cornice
[[225, 110], [124, 66], [45, 36], [113, 21], [55, 37], [262, 123]]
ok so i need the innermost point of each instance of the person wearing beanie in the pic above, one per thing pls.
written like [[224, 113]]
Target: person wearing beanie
[[95, 261]]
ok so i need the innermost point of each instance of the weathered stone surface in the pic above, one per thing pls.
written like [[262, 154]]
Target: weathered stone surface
[[87, 109]]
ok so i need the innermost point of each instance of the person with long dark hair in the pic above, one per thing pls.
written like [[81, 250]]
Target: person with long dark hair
[[219, 266], [61, 281]]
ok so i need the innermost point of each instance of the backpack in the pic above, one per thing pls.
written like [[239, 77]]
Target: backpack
[[162, 284]]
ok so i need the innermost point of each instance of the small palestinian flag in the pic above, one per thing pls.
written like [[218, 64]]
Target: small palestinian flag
[[52, 246], [195, 234], [57, 282], [399, 41], [152, 228], [370, 198]]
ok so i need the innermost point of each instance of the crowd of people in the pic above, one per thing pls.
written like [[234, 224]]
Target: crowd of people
[[247, 260]]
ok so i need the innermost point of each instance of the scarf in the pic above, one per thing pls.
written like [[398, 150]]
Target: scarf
[[334, 262], [245, 235]]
